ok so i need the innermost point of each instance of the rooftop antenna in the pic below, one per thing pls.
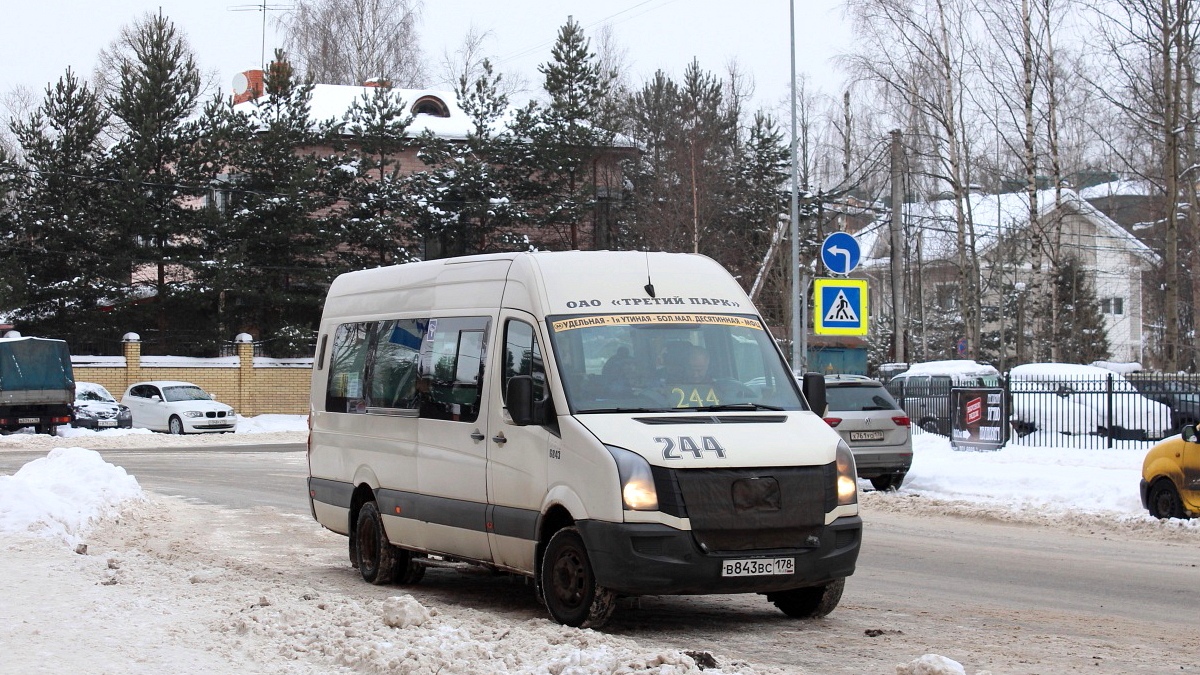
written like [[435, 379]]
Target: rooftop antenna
[[263, 7]]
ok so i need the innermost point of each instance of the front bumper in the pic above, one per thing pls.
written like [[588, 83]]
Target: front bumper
[[203, 425], [653, 559], [101, 424]]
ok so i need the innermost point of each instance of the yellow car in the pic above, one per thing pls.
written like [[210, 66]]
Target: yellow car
[[1171, 476]]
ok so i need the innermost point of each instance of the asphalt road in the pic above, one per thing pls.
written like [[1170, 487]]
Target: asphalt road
[[242, 476], [1017, 593]]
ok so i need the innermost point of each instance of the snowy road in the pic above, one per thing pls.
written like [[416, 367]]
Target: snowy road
[[260, 588]]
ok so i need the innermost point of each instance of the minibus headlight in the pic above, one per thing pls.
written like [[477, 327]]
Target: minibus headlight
[[847, 475], [637, 483]]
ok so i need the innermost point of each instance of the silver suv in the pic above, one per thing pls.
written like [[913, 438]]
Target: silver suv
[[874, 425]]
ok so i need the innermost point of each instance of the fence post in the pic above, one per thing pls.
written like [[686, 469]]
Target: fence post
[[131, 347], [1109, 392], [245, 352]]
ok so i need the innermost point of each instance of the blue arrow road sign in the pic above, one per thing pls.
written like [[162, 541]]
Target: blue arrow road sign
[[840, 253]]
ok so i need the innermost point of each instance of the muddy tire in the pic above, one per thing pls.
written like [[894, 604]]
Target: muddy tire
[[568, 585], [1164, 500], [809, 603], [376, 556], [887, 482]]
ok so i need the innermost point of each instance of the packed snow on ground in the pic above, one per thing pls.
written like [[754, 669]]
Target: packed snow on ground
[[184, 593]]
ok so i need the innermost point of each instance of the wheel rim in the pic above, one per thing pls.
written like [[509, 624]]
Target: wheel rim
[[570, 579], [176, 426], [368, 545], [1164, 502]]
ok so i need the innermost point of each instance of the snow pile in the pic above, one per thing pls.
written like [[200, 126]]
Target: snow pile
[[62, 494], [1022, 478], [933, 664], [404, 611]]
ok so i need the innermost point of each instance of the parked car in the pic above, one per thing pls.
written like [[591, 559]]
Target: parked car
[[178, 408], [1182, 397], [95, 408], [1075, 399], [874, 426], [1170, 485], [924, 389]]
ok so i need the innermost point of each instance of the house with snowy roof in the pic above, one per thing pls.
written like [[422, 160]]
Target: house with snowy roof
[[1116, 260], [437, 113]]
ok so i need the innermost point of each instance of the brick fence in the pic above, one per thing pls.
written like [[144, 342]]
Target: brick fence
[[252, 385]]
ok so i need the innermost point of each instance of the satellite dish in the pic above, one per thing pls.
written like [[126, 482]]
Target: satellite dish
[[241, 83]]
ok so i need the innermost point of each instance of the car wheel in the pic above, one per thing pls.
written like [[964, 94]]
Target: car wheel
[[888, 481], [930, 426], [1164, 500], [809, 603], [376, 556], [48, 429], [175, 425], [568, 585]]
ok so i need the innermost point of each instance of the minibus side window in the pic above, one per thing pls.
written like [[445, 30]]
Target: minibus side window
[[393, 370], [347, 366], [523, 356], [451, 368]]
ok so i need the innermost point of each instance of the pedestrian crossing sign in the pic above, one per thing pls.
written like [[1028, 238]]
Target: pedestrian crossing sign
[[840, 307]]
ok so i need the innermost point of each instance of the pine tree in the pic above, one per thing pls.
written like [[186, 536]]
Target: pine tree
[[567, 140], [684, 184], [372, 231], [157, 90], [273, 245], [62, 238], [1080, 333], [470, 198]]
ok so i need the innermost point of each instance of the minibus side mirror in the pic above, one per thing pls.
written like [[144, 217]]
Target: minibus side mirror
[[518, 399], [814, 391]]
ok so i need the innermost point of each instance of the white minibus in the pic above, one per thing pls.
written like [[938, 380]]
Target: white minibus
[[604, 423]]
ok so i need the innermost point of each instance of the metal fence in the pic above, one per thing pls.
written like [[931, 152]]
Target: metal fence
[[1061, 410]]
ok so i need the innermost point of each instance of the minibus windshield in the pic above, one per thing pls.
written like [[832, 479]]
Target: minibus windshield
[[670, 362]]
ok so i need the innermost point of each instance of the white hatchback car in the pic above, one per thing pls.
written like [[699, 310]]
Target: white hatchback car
[[178, 408]]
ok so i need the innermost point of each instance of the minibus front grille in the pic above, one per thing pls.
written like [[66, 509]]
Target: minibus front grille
[[752, 508]]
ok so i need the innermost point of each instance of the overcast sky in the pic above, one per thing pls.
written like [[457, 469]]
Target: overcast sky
[[41, 38]]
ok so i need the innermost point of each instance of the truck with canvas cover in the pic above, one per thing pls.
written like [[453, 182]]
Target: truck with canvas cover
[[37, 384], [603, 423]]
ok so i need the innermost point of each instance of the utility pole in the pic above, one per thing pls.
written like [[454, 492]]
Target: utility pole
[[798, 318], [898, 306]]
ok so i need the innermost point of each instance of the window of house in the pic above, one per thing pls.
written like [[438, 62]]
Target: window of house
[[947, 296], [1112, 306], [430, 105]]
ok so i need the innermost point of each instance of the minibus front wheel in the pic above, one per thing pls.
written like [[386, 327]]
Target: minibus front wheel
[[568, 584], [813, 602]]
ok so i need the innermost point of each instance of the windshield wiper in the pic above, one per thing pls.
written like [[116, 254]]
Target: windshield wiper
[[627, 410], [735, 406]]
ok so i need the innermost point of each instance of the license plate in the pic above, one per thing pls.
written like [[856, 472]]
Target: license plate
[[29, 420], [107, 423], [866, 435], [758, 567]]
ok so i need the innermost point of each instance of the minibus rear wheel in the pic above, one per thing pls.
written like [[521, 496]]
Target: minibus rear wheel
[[376, 556], [569, 586]]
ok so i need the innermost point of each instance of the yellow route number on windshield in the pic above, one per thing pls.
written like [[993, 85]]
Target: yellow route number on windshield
[[695, 397]]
